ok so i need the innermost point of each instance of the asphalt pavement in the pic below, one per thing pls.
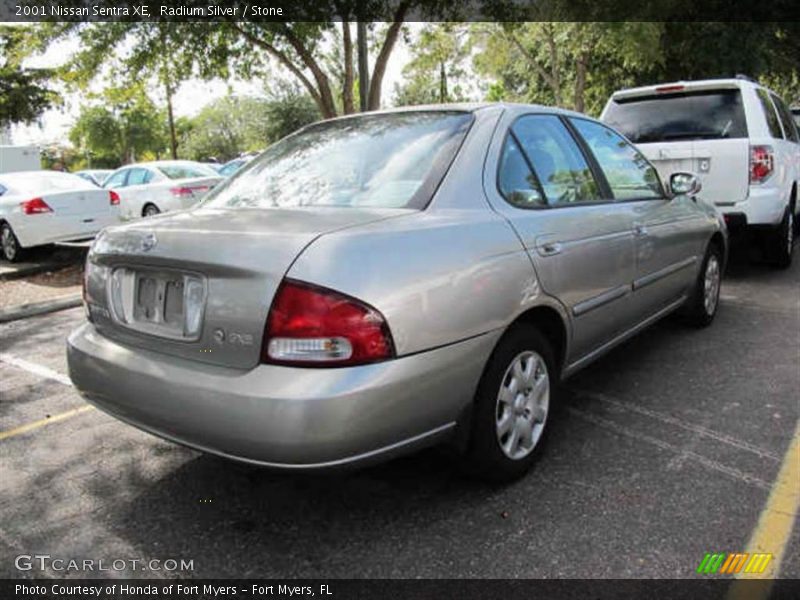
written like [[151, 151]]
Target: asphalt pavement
[[664, 450]]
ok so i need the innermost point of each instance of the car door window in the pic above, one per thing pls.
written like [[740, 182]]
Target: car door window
[[769, 112], [516, 181], [117, 180], [627, 171], [557, 161], [786, 119]]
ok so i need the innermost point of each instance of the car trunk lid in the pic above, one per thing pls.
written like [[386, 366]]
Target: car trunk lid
[[152, 281]]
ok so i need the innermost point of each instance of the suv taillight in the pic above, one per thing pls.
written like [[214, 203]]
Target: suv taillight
[[762, 163], [113, 198], [315, 326]]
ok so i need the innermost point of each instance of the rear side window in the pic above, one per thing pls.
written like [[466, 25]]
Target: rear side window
[[139, 176], [786, 118], [557, 161], [769, 112], [117, 179], [706, 115], [516, 180], [627, 171]]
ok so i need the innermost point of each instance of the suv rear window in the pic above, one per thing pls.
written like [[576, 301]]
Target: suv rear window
[[706, 115]]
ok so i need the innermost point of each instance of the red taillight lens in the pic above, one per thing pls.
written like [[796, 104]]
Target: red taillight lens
[[762, 163], [666, 89], [181, 191], [35, 206], [314, 326], [113, 198]]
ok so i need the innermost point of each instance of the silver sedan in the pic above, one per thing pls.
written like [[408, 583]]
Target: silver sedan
[[379, 283]]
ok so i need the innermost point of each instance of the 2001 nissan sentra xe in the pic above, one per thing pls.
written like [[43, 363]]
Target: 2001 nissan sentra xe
[[382, 282]]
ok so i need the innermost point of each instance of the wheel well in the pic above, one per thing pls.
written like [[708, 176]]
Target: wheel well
[[793, 197], [549, 322]]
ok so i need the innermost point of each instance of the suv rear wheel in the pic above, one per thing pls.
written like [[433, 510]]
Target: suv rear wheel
[[781, 242]]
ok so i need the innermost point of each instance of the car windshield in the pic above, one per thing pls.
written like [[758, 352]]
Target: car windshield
[[717, 114], [186, 170], [40, 182], [230, 168], [387, 161]]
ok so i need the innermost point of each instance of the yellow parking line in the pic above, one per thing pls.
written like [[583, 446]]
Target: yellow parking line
[[4, 435], [775, 524]]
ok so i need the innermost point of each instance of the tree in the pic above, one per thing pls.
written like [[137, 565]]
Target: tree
[[122, 125], [571, 64], [316, 52], [436, 71], [24, 95]]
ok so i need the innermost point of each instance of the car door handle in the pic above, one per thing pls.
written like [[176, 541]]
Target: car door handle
[[549, 248]]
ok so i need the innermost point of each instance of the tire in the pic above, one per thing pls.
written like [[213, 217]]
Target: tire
[[781, 241], [499, 414], [150, 210], [9, 244], [703, 304]]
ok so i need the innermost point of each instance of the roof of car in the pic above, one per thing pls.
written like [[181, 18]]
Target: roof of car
[[463, 107]]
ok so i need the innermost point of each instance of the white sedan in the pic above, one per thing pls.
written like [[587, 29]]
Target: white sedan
[[43, 207], [146, 189]]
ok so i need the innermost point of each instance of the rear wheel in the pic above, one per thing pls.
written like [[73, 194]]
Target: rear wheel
[[150, 210], [781, 241], [701, 307], [513, 405], [12, 251]]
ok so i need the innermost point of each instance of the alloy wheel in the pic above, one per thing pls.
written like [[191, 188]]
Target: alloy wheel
[[523, 402], [711, 285], [9, 243]]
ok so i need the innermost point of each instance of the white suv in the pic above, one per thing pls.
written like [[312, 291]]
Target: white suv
[[737, 135]]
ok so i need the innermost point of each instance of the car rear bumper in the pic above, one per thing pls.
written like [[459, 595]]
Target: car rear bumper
[[280, 416], [31, 233]]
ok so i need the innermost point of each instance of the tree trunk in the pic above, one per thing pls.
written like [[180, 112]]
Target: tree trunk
[[442, 84], [323, 83], [579, 100], [363, 66], [383, 56], [347, 92], [173, 138]]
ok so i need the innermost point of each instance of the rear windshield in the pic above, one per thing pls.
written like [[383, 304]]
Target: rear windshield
[[186, 171], [42, 182], [387, 161], [691, 116]]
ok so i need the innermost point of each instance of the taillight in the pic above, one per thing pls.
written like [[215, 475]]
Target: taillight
[[35, 206], [762, 163], [113, 198], [314, 326], [181, 191], [666, 89]]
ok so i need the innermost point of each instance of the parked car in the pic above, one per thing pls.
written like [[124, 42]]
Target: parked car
[[232, 166], [736, 134], [96, 176], [383, 282], [146, 189], [42, 207]]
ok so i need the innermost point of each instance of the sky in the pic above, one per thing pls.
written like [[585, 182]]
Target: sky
[[54, 125]]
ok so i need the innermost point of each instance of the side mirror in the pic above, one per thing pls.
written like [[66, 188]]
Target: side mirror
[[684, 184]]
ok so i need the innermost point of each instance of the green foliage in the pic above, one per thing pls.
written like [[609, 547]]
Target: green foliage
[[122, 125], [24, 93], [233, 125], [436, 72]]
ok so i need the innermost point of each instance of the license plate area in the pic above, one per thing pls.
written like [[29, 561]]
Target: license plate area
[[162, 303]]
